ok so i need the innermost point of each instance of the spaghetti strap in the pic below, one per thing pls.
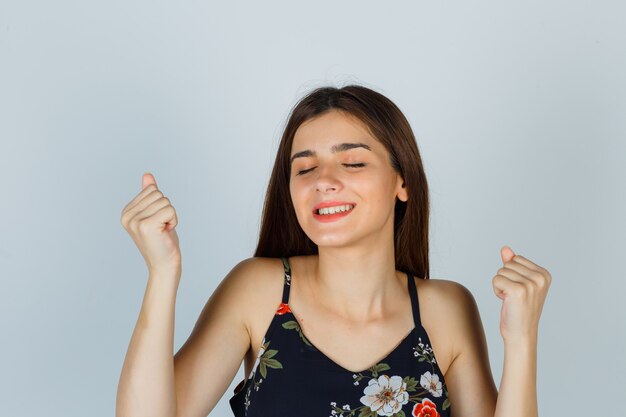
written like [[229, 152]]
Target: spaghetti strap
[[287, 283], [414, 299]]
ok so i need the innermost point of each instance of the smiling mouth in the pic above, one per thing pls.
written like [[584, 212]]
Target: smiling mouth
[[334, 209]]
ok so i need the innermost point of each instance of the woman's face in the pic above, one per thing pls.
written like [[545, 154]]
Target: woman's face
[[336, 161]]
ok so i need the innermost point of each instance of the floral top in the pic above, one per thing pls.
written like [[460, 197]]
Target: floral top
[[291, 377]]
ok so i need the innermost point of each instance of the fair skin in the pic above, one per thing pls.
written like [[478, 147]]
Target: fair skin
[[352, 292]]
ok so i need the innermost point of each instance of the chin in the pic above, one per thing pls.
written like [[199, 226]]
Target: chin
[[331, 241]]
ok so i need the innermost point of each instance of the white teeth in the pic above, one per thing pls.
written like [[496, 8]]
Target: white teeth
[[335, 209]]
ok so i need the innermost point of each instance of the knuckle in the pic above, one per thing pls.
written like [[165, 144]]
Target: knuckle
[[546, 280], [540, 283], [536, 285], [521, 290], [142, 225], [537, 275]]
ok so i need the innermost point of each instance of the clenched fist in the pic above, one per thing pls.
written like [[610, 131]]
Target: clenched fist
[[522, 285], [151, 220]]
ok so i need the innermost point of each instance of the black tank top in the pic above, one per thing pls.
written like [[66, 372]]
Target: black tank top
[[291, 377]]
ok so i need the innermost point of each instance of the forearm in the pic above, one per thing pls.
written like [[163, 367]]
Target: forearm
[[517, 396], [146, 386]]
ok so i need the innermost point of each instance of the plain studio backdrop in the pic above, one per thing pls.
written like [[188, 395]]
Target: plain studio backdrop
[[519, 112]]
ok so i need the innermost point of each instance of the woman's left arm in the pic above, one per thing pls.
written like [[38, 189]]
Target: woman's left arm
[[523, 286]]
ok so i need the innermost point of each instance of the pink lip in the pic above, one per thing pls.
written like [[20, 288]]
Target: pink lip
[[326, 218], [331, 204]]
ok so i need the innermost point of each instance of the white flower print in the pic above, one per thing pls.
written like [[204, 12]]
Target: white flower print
[[247, 398], [258, 358], [385, 395], [431, 383]]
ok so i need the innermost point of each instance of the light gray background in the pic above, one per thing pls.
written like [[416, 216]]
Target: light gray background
[[519, 112]]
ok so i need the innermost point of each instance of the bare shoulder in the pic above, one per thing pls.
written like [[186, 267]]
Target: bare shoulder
[[448, 293], [456, 321], [253, 273], [258, 281], [222, 335], [450, 315], [237, 300]]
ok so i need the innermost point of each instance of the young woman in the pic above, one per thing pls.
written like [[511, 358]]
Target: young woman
[[336, 313]]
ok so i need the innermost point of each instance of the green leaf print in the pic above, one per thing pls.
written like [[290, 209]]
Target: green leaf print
[[286, 265], [411, 383], [265, 360], [293, 325], [269, 353], [446, 403], [367, 412], [381, 367], [273, 363], [304, 339]]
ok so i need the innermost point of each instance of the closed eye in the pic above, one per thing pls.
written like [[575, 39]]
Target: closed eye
[[359, 165]]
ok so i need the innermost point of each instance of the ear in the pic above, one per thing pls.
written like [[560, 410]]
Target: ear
[[403, 194]]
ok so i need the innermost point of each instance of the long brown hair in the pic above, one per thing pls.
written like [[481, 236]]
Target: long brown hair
[[281, 234]]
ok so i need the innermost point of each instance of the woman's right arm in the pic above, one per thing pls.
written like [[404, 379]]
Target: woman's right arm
[[154, 382], [189, 384], [146, 385]]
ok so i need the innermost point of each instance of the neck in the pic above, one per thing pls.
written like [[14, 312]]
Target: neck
[[357, 283]]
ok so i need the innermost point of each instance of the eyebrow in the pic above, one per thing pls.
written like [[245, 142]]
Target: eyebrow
[[334, 149]]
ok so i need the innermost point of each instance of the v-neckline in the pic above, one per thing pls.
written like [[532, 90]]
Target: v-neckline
[[332, 362]]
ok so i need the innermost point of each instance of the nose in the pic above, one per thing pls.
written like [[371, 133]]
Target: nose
[[325, 189], [327, 180]]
